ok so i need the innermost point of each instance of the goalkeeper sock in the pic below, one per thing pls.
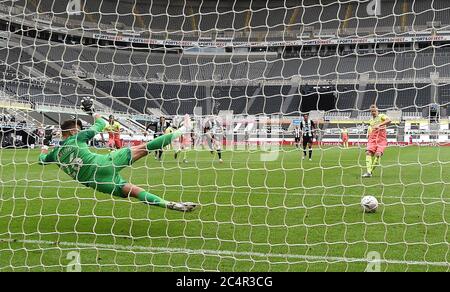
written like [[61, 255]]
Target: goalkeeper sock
[[181, 131], [304, 152], [160, 142], [375, 162], [147, 198], [369, 163]]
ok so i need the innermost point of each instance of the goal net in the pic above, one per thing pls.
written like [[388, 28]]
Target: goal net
[[280, 95]]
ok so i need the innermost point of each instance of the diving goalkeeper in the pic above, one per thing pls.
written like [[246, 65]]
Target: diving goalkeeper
[[102, 172]]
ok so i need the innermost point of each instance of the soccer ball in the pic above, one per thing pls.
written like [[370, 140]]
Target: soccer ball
[[369, 204]]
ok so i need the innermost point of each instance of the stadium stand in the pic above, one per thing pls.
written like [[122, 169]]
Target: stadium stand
[[349, 16], [125, 77]]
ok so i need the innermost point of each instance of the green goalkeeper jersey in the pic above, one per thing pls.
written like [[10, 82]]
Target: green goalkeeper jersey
[[73, 155]]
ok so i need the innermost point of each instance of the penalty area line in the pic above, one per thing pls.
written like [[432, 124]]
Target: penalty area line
[[190, 190], [306, 258]]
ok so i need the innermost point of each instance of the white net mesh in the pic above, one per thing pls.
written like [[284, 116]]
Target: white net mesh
[[246, 72]]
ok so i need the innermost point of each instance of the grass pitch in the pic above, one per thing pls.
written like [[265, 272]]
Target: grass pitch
[[281, 215]]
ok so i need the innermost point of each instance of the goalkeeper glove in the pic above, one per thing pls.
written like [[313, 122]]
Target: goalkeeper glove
[[87, 105]]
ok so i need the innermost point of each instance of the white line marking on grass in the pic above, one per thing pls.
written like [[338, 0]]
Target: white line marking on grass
[[184, 189], [327, 259]]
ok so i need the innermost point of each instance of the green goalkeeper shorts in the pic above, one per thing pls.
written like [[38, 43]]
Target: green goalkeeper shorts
[[107, 177]]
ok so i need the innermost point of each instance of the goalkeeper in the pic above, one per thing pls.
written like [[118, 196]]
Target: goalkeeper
[[101, 172]]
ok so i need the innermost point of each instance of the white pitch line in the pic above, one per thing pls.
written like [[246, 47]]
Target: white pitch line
[[184, 190], [327, 259], [270, 193]]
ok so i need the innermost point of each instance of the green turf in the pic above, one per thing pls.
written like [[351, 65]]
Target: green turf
[[282, 215]]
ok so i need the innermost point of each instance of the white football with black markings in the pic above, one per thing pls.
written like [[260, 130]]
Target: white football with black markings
[[369, 204]]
